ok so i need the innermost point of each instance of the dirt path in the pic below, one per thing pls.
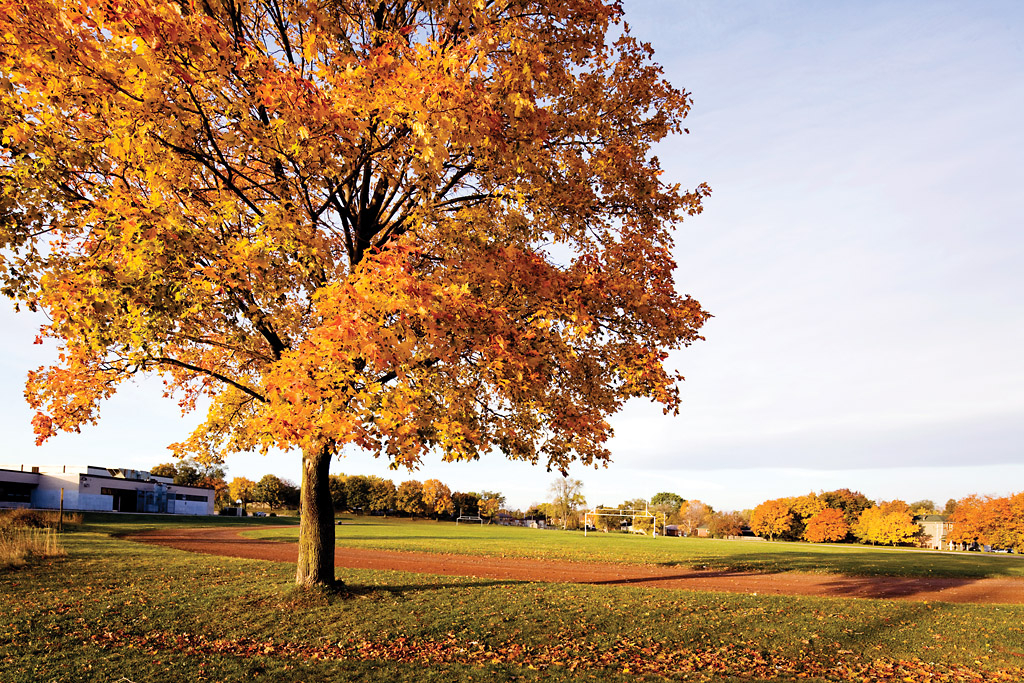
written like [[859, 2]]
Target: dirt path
[[222, 541]]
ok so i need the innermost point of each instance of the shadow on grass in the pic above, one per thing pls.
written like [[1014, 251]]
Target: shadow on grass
[[387, 539], [857, 564], [878, 587], [399, 590], [685, 576], [889, 587], [305, 597]]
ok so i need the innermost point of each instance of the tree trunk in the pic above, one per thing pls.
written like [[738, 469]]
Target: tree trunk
[[316, 520]]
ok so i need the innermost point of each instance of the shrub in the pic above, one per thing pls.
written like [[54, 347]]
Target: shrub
[[19, 545], [24, 518]]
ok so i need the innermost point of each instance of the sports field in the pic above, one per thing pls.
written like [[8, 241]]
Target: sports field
[[702, 553], [115, 609]]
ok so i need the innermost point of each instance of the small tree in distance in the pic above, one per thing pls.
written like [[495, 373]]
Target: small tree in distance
[[667, 505], [382, 493], [242, 489], [491, 503], [357, 492], [693, 514], [923, 507], [852, 503], [566, 499], [409, 499], [164, 469], [269, 490], [336, 484], [437, 498], [887, 524], [827, 525], [466, 503], [724, 524], [771, 518]]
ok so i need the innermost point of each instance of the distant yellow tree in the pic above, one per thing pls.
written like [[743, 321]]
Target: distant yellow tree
[[692, 514], [409, 498], [437, 497], [489, 508], [887, 524], [242, 489], [807, 506], [382, 494], [771, 518]]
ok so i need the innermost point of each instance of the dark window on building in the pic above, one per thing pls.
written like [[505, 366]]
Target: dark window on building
[[12, 492]]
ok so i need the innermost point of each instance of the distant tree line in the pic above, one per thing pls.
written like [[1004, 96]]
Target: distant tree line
[[836, 516], [992, 521], [369, 494], [360, 494]]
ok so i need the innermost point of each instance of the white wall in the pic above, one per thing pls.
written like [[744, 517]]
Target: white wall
[[54, 482], [73, 500], [192, 507]]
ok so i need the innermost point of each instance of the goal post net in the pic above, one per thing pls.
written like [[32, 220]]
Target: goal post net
[[469, 516], [626, 513]]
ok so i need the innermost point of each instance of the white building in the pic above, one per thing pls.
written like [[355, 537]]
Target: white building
[[934, 530], [100, 489]]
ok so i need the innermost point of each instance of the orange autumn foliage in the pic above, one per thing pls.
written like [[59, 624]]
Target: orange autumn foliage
[[989, 520], [890, 523], [242, 489], [437, 497], [412, 227], [828, 524], [771, 518]]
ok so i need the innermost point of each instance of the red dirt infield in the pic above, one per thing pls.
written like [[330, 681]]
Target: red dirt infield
[[229, 542]]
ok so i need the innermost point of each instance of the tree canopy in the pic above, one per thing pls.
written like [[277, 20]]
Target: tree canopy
[[771, 518], [566, 498], [667, 499], [406, 226]]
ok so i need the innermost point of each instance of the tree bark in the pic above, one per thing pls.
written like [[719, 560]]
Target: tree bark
[[316, 520]]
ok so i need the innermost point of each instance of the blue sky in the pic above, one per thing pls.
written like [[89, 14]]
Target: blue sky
[[863, 255]]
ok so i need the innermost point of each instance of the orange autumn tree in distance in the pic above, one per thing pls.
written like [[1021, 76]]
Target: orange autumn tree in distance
[[407, 226], [771, 518], [826, 525]]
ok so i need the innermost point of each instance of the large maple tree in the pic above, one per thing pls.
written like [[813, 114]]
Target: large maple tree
[[404, 225]]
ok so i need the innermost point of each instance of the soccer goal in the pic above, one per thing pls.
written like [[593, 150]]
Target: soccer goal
[[469, 518], [623, 513]]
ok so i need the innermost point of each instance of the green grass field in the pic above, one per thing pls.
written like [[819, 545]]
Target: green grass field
[[468, 539], [114, 609], [126, 523]]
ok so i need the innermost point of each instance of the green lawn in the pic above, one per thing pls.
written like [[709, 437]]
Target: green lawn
[[116, 609], [468, 539], [123, 523]]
